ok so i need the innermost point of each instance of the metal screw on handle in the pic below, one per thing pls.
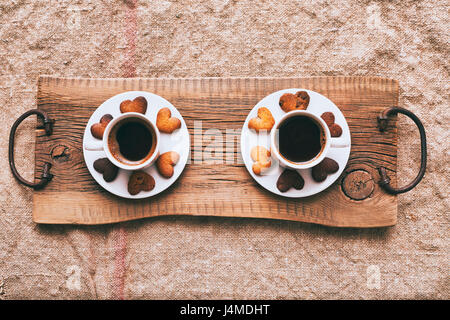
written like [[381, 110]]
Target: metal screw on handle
[[48, 126], [382, 126]]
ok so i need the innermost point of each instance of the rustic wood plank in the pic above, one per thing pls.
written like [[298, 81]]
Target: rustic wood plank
[[222, 186]]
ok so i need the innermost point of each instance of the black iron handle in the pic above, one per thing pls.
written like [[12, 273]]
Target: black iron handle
[[48, 126], [382, 125]]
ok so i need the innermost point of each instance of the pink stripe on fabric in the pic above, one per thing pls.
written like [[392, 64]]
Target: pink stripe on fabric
[[129, 70], [120, 268], [130, 33]]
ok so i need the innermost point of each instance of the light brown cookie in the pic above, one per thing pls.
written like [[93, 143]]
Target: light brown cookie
[[261, 158], [165, 122], [166, 162], [288, 102], [139, 104], [264, 120], [299, 101], [97, 129]]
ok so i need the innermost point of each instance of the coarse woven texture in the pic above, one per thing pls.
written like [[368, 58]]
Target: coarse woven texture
[[205, 257]]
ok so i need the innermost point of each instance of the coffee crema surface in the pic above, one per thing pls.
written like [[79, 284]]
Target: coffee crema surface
[[300, 139], [132, 141]]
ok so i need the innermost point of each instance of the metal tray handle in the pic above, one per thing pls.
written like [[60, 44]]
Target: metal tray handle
[[382, 126], [48, 126]]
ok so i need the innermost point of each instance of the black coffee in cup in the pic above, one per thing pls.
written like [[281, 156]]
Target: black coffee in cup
[[300, 138], [132, 141]]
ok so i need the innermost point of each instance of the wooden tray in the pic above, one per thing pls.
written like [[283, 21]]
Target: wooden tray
[[216, 189]]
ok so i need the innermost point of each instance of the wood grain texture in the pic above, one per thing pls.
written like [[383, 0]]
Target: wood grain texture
[[219, 185]]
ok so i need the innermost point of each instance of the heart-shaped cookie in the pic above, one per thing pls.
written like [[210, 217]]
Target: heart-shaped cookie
[[298, 101], [261, 157], [165, 122], [140, 181], [264, 120], [166, 162], [335, 129], [97, 129], [302, 100], [290, 179], [139, 104], [107, 168], [323, 169]]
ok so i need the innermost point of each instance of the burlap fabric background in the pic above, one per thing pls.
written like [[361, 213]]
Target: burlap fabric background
[[206, 257]]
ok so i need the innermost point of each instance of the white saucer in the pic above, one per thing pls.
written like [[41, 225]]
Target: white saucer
[[178, 141], [249, 138]]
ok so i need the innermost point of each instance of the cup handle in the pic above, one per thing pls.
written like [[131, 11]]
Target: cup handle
[[93, 145], [339, 144]]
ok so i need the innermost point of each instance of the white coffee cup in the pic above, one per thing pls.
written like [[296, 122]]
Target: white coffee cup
[[114, 155], [327, 141]]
